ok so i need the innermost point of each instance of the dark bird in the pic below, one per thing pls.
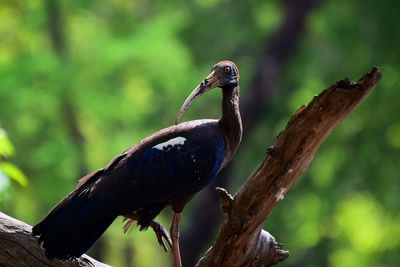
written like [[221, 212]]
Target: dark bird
[[165, 169]]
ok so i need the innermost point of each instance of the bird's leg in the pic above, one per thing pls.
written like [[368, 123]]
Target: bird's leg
[[174, 232], [159, 230]]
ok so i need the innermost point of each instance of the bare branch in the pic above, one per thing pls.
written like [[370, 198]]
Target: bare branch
[[19, 248], [241, 240]]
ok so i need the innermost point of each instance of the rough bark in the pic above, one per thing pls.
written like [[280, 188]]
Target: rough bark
[[278, 49], [18, 248], [241, 240]]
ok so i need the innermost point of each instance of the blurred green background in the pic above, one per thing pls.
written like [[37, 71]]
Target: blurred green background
[[81, 81]]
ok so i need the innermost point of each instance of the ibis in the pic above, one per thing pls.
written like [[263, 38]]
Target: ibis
[[165, 169]]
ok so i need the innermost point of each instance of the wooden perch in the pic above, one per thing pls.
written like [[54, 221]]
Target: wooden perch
[[19, 248], [241, 240]]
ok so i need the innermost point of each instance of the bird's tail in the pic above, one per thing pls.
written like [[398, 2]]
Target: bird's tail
[[73, 226]]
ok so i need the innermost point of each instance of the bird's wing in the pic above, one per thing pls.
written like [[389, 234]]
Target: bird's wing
[[162, 134], [169, 164]]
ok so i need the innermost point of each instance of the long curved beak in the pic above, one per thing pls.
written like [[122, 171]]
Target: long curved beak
[[209, 83]]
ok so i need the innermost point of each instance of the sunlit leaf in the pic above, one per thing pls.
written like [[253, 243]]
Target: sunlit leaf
[[6, 148], [14, 173]]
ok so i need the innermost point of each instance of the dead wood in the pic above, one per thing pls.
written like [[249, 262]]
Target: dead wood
[[241, 241]]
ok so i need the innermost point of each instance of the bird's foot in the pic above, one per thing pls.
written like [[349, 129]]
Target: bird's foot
[[162, 235]]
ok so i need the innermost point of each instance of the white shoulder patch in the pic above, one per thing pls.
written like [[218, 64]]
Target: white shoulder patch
[[171, 142]]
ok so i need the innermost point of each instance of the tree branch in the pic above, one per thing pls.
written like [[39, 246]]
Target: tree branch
[[241, 240], [19, 248]]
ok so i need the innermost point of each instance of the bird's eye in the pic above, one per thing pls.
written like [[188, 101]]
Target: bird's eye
[[227, 69]]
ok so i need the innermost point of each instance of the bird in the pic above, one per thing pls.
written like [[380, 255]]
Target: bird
[[165, 169]]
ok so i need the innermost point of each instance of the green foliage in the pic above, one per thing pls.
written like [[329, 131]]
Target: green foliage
[[8, 170], [14, 173], [6, 148], [126, 69]]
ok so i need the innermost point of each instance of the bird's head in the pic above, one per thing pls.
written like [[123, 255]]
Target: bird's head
[[224, 74]]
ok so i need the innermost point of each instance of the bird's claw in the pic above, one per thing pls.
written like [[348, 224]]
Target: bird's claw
[[128, 225], [162, 235]]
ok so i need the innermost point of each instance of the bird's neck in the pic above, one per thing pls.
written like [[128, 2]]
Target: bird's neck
[[230, 122]]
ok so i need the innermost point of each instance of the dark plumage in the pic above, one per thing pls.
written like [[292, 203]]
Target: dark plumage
[[166, 168]]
